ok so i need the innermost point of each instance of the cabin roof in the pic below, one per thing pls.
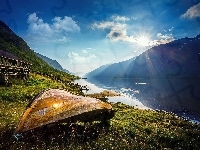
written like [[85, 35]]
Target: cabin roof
[[8, 55]]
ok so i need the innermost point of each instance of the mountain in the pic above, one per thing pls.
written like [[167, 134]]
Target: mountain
[[177, 59], [15, 45], [52, 63], [112, 70]]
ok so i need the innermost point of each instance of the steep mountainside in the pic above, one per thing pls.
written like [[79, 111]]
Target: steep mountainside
[[52, 63], [10, 42], [112, 70], [177, 59]]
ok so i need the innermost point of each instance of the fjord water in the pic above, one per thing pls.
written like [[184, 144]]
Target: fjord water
[[98, 87], [181, 96]]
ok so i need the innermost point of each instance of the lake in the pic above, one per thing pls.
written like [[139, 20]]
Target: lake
[[181, 96]]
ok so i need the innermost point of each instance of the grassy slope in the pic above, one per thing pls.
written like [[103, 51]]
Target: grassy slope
[[130, 128]]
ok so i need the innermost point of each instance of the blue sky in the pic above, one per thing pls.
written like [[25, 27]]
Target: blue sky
[[83, 35]]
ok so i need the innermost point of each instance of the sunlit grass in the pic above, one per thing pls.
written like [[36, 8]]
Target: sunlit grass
[[130, 128]]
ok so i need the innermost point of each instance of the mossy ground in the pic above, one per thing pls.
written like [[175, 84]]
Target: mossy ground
[[130, 128]]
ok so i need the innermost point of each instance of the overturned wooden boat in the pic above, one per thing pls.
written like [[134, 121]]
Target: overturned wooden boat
[[55, 105]]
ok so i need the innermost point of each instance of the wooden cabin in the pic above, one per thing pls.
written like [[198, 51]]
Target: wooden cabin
[[11, 66]]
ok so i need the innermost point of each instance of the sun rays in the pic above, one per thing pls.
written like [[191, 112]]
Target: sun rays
[[143, 41]]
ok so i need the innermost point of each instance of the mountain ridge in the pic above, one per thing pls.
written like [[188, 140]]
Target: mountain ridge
[[177, 59], [51, 62]]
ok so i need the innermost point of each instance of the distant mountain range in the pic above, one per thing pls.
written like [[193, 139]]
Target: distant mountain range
[[177, 59], [52, 63]]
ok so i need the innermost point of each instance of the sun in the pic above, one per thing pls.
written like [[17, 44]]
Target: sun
[[143, 41]]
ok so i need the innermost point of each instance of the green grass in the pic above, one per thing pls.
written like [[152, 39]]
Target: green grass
[[24, 90], [130, 128]]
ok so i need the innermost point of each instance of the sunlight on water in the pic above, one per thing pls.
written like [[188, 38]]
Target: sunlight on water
[[125, 97], [92, 88], [140, 83], [179, 96], [127, 100]]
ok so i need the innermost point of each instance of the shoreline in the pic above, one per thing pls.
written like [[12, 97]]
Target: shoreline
[[125, 99], [93, 89]]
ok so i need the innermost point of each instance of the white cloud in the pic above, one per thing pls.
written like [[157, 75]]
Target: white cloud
[[134, 18], [56, 31], [82, 62], [192, 12], [171, 29], [103, 25], [32, 18], [63, 39], [163, 39], [164, 36], [75, 58], [37, 26], [116, 21], [120, 18], [84, 51], [118, 32], [67, 24]]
